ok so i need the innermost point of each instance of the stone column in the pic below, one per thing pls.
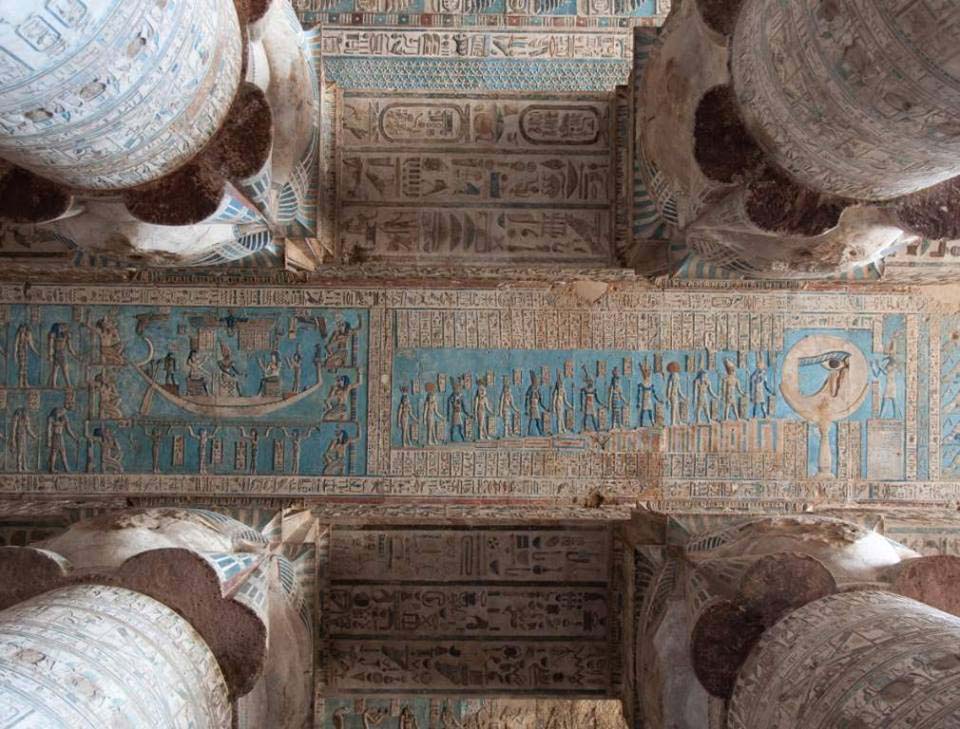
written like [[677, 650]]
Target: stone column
[[109, 94], [855, 659], [802, 139], [99, 656], [788, 622], [859, 98]]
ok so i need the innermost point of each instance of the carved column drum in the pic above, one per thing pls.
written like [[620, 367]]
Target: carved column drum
[[97, 656], [860, 660], [859, 98], [107, 94]]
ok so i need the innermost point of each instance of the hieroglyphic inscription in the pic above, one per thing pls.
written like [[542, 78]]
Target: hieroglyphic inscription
[[475, 44], [476, 177], [455, 609], [459, 610], [755, 450], [463, 555]]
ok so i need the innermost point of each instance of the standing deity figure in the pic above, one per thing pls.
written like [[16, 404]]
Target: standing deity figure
[[59, 345], [589, 404], [888, 368], [559, 405], [507, 410], [22, 346], [156, 436], [169, 365], [646, 395], [253, 437], [405, 417], [432, 417], [533, 405], [295, 363], [58, 427], [674, 393], [730, 389], [21, 432], [203, 437], [759, 390], [482, 410], [297, 437], [617, 401], [457, 411], [703, 394], [90, 458], [335, 457]]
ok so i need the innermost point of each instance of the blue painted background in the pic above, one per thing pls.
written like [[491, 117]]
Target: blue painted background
[[425, 365], [172, 332]]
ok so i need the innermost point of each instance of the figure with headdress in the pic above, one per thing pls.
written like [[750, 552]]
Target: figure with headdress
[[111, 455], [482, 410], [533, 405], [760, 391], [335, 457], [58, 428], [228, 379], [703, 394], [674, 392], [111, 346], [295, 363], [339, 345], [730, 390], [432, 417], [405, 417], [109, 402], [589, 403], [507, 409], [559, 404], [646, 395], [616, 401], [270, 379], [196, 373], [457, 412], [338, 399], [888, 367], [59, 346], [21, 432], [23, 344]]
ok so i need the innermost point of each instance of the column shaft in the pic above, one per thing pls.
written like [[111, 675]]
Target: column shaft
[[114, 93], [95, 656], [859, 660], [859, 98]]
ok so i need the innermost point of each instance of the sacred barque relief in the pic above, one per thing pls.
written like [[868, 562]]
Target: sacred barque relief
[[673, 396]]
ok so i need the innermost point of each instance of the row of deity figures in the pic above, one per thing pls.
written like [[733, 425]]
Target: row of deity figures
[[561, 409], [63, 447], [102, 449], [60, 349]]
